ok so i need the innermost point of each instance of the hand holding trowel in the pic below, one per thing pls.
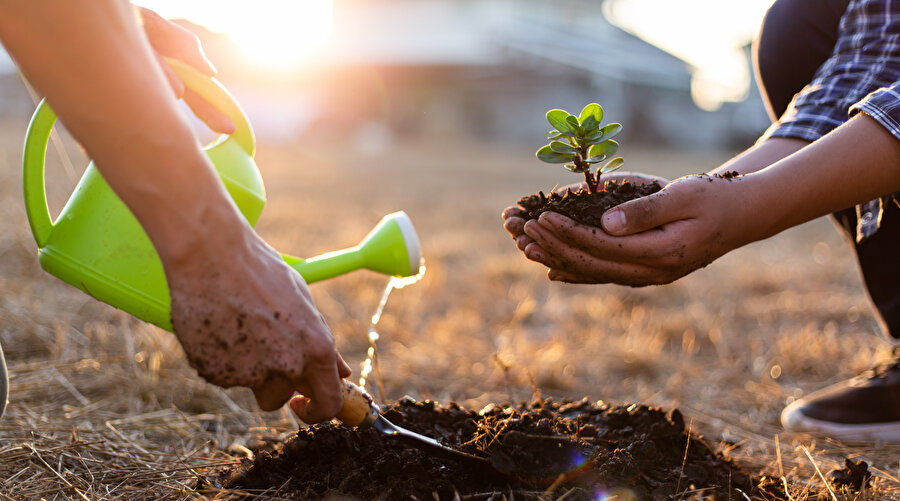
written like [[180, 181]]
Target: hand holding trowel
[[359, 409]]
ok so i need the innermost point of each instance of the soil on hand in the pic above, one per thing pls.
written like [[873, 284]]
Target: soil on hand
[[639, 450], [583, 205]]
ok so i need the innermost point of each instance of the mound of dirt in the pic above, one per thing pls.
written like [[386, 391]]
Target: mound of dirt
[[578, 450], [582, 205]]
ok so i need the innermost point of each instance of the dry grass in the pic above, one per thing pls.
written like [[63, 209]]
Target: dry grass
[[105, 407]]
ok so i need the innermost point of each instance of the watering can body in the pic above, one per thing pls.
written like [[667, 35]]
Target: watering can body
[[97, 245]]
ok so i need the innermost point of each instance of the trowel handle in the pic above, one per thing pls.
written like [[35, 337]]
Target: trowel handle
[[359, 409]]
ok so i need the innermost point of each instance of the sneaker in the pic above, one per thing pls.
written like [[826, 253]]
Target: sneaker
[[865, 408]]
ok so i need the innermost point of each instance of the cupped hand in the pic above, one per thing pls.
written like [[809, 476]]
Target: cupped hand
[[652, 240], [515, 224], [171, 40], [247, 319]]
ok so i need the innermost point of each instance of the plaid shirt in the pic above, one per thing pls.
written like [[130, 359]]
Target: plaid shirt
[[862, 75]]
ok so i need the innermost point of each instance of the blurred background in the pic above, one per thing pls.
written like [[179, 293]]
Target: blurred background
[[378, 72]]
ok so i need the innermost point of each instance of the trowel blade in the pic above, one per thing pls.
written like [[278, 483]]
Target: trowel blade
[[419, 441]]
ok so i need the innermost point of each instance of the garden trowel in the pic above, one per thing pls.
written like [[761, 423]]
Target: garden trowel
[[536, 460], [360, 410]]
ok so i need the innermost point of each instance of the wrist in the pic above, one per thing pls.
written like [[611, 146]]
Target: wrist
[[201, 231], [183, 206], [778, 201]]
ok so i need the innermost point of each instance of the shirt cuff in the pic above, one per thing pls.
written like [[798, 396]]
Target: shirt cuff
[[808, 123], [884, 106]]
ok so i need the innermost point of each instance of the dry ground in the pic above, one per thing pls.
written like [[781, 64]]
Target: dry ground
[[105, 407]]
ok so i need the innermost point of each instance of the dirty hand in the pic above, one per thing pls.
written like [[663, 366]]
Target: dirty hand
[[171, 40], [515, 224], [652, 240], [245, 318]]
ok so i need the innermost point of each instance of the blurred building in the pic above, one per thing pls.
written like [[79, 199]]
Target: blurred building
[[491, 69]]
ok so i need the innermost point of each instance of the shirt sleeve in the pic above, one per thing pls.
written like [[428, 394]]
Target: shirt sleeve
[[884, 106], [862, 72]]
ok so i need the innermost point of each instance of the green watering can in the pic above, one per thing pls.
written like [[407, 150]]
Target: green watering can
[[98, 246]]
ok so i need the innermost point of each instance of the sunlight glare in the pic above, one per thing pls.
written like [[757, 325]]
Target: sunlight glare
[[275, 34], [709, 34]]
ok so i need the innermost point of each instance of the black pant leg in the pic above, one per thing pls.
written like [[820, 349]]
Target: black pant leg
[[796, 37], [879, 262]]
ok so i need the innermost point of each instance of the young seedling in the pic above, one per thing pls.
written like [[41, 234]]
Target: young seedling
[[580, 142]]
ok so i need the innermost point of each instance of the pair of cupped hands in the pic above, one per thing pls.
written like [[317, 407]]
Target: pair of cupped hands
[[652, 240]]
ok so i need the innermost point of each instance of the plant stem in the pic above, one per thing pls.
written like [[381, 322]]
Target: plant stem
[[589, 178], [590, 181]]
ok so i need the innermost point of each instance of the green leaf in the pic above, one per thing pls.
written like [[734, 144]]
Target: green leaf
[[603, 134], [572, 120], [596, 159], [606, 148], [556, 135], [557, 119], [589, 125], [592, 138], [546, 154], [561, 147], [612, 165], [610, 130], [593, 110]]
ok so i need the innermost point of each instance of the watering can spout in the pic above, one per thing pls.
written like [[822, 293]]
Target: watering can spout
[[391, 248]]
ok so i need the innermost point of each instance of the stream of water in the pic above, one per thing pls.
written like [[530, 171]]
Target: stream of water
[[370, 365]]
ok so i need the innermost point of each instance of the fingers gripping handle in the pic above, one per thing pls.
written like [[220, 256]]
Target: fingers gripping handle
[[358, 409], [220, 98]]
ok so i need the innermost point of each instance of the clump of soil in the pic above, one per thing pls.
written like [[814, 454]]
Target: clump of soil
[[730, 174], [637, 449], [854, 476], [583, 205]]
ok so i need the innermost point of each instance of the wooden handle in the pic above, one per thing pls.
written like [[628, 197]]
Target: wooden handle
[[358, 408]]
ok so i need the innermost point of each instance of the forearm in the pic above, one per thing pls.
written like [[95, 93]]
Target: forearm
[[857, 162], [94, 65], [761, 155]]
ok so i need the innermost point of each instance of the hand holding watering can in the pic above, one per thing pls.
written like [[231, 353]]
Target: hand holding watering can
[[226, 293]]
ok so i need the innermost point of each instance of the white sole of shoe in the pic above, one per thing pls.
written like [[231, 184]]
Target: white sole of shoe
[[794, 420]]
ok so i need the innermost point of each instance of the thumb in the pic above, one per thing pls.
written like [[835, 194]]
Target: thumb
[[642, 214]]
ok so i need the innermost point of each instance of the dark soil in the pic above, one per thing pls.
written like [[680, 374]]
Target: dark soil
[[637, 449], [730, 174], [854, 476], [582, 205]]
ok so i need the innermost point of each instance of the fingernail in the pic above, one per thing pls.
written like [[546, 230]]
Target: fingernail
[[613, 221], [532, 227], [536, 255], [549, 217], [228, 127]]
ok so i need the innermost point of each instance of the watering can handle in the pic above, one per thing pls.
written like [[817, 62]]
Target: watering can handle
[[44, 117]]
